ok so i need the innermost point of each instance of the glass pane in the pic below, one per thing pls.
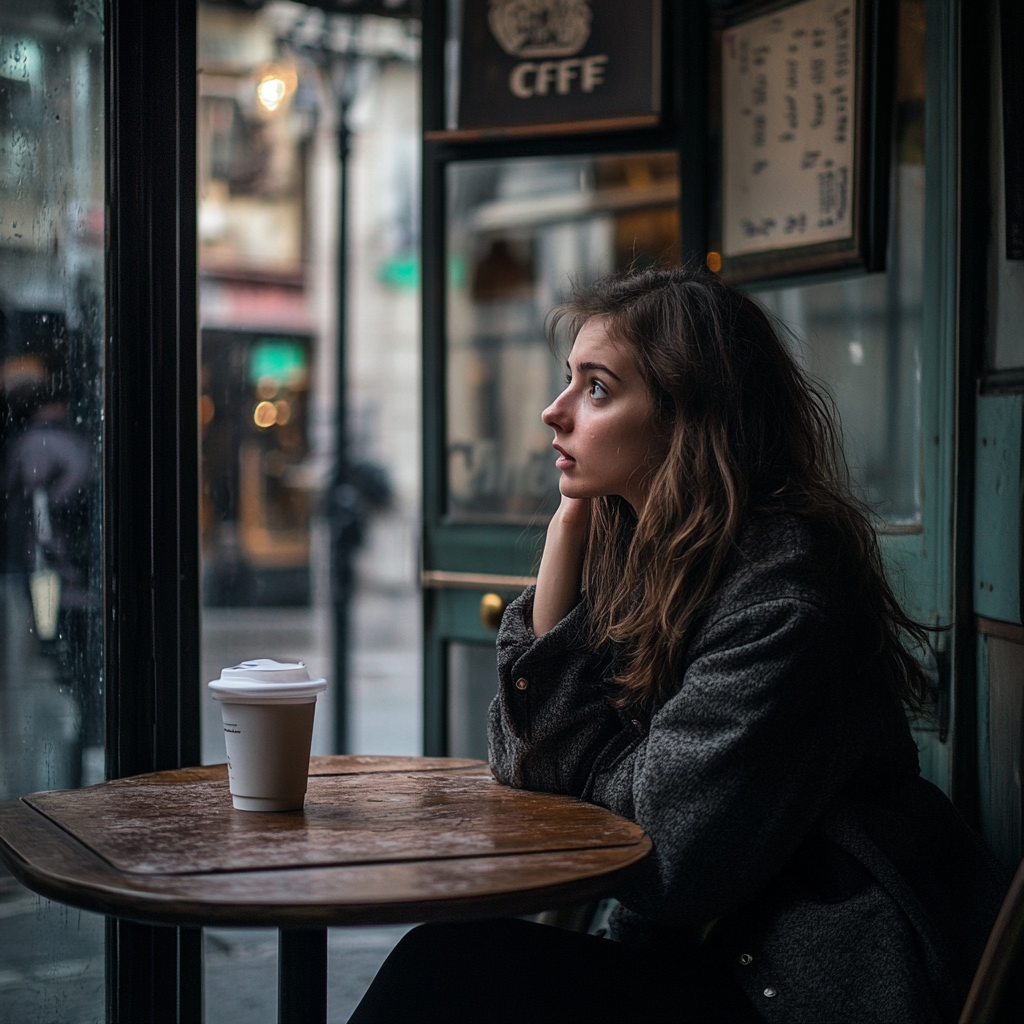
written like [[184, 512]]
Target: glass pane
[[1005, 341], [268, 220], [472, 683], [51, 388], [271, 92], [862, 336], [519, 232]]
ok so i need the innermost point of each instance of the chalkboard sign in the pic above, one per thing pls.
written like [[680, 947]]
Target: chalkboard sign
[[532, 67], [804, 165]]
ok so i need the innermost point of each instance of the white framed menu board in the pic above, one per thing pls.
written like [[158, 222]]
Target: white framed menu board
[[804, 95]]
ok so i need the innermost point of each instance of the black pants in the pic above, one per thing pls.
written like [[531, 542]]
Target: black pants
[[488, 972]]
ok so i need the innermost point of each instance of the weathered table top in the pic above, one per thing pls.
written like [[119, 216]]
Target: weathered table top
[[380, 840]]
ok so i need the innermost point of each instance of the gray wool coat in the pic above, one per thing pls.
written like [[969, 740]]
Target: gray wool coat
[[790, 824]]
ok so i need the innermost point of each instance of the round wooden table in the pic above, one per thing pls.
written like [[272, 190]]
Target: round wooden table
[[381, 840]]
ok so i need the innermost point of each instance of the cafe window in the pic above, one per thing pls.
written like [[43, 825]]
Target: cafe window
[[51, 364], [862, 335], [282, 90], [520, 232], [263, 338]]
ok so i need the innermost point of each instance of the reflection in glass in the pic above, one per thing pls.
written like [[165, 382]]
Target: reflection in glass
[[472, 684], [862, 336], [519, 233], [51, 578]]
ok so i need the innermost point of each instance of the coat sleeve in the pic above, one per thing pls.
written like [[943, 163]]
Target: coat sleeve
[[736, 768], [551, 717]]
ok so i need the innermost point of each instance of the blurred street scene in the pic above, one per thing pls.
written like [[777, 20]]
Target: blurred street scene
[[310, 492], [51, 387], [309, 535]]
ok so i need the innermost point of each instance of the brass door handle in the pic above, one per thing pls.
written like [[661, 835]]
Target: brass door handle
[[492, 607]]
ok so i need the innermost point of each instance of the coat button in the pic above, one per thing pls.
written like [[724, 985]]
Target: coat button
[[636, 722], [522, 684], [746, 958], [770, 993]]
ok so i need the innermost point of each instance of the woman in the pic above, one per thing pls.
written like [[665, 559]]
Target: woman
[[712, 650]]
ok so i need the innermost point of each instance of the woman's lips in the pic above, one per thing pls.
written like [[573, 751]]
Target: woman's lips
[[564, 461]]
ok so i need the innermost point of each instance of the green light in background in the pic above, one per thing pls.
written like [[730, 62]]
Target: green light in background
[[456, 271], [280, 359], [401, 272]]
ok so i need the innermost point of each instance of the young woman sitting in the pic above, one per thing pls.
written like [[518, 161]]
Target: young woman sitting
[[713, 651]]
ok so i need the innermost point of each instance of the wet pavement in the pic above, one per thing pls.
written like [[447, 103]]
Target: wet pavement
[[241, 971]]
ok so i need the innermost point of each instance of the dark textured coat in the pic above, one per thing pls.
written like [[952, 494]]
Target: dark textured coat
[[783, 797]]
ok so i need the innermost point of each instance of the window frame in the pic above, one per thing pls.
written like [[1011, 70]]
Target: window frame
[[150, 457]]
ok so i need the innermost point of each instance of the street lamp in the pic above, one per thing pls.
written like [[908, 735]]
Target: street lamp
[[276, 84], [355, 490]]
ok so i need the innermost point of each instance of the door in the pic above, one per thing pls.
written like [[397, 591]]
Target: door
[[508, 226], [518, 232], [519, 220]]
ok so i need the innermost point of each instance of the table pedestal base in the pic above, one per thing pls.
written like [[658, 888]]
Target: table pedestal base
[[302, 976]]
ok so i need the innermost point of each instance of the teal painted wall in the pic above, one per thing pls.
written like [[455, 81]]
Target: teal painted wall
[[997, 503]]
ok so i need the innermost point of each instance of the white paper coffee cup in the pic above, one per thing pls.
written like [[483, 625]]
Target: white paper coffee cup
[[267, 708]]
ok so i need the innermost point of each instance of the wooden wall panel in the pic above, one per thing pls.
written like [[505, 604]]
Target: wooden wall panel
[[1005, 713]]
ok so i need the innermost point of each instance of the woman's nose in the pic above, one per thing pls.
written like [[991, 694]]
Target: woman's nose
[[555, 415]]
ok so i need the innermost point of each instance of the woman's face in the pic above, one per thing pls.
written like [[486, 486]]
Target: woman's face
[[603, 421]]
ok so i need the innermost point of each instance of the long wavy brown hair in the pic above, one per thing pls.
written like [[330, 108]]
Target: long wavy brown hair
[[747, 432]]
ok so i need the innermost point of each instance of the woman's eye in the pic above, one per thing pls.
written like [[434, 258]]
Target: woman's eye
[[598, 390], [568, 378]]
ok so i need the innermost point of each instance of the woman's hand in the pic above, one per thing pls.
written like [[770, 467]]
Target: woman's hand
[[561, 566]]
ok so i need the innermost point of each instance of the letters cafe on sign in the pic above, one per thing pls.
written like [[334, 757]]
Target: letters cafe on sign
[[530, 79], [528, 67]]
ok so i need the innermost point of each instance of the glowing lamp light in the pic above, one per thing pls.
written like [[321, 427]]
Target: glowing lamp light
[[714, 262], [271, 92], [265, 415], [276, 83]]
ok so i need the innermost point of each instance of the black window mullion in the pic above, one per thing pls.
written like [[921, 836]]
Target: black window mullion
[[151, 464]]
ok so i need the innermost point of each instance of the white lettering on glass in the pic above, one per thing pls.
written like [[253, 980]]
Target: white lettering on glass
[[593, 72], [517, 81], [545, 76], [567, 71], [530, 79]]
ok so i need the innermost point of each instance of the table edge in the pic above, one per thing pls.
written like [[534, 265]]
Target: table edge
[[104, 890]]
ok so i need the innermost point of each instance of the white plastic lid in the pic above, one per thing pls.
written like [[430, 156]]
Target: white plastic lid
[[266, 680]]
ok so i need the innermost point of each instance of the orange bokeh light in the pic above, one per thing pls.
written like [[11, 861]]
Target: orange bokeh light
[[265, 414]]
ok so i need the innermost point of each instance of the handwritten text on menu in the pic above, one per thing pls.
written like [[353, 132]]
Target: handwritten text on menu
[[788, 116]]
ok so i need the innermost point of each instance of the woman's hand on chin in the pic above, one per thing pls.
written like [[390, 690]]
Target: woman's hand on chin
[[574, 514], [558, 579]]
